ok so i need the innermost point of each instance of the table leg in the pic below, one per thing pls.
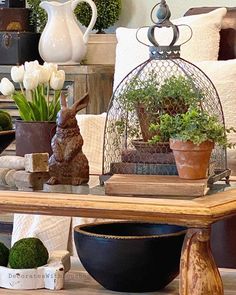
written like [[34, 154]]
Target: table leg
[[199, 274]]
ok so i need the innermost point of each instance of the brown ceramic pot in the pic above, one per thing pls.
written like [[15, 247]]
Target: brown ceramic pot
[[34, 137], [192, 160]]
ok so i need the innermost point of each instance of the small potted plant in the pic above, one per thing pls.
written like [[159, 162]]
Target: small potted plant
[[101, 46], [151, 99], [37, 108], [192, 137]]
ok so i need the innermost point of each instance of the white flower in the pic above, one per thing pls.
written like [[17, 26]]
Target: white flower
[[17, 73], [31, 66], [51, 67], [57, 80], [31, 80], [44, 74], [6, 86]]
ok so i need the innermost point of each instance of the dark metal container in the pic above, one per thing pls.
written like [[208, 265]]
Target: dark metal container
[[130, 256], [34, 137], [12, 3], [18, 47], [15, 19]]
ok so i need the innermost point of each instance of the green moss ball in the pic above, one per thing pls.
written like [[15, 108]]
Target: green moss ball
[[5, 121], [4, 255], [28, 253]]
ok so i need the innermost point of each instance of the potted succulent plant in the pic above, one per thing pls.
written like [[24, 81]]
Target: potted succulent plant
[[37, 108], [192, 137]]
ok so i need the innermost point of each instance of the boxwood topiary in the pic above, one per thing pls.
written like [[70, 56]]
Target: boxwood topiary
[[28, 253], [4, 255], [108, 13]]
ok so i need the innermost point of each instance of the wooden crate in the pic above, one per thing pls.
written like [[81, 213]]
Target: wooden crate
[[154, 186]]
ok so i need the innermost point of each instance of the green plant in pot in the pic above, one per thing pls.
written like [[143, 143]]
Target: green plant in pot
[[192, 138], [152, 99], [37, 107]]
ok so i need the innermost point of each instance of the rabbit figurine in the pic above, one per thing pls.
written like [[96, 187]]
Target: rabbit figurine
[[68, 164]]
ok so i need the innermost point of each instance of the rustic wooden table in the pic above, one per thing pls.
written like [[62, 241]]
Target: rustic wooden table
[[198, 272]]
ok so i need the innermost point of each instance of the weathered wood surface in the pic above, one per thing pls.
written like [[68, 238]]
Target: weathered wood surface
[[199, 212], [80, 283], [154, 185], [199, 274]]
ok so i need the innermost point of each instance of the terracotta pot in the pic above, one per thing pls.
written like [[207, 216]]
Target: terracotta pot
[[192, 160], [34, 137], [145, 119]]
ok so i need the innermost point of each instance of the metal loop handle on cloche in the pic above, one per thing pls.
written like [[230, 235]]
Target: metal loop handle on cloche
[[163, 15]]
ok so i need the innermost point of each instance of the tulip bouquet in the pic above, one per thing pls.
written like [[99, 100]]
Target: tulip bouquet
[[34, 99]]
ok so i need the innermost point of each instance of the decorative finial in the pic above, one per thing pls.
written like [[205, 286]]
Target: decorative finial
[[170, 50], [163, 13]]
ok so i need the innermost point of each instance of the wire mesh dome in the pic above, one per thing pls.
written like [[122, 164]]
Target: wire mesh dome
[[164, 84]]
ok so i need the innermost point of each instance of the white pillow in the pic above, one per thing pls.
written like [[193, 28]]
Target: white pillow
[[92, 131], [223, 76], [204, 44]]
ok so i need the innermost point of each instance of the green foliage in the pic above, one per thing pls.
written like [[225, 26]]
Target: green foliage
[[175, 94], [141, 92], [178, 92], [28, 253], [195, 125], [5, 121], [108, 13], [38, 16], [41, 107], [4, 255]]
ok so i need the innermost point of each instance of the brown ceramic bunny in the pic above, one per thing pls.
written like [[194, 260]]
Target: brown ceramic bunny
[[68, 164]]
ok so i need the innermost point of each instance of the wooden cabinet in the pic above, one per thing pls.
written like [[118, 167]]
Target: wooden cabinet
[[96, 79]]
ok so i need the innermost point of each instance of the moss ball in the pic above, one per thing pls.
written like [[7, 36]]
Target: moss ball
[[28, 253], [5, 121], [4, 255]]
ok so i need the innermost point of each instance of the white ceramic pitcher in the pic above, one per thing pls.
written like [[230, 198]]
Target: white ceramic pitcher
[[62, 41]]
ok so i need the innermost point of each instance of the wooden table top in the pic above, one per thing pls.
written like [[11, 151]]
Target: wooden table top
[[196, 212]]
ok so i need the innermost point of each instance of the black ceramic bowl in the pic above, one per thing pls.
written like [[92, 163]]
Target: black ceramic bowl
[[128, 256]]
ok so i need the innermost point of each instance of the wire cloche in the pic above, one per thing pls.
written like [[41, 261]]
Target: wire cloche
[[164, 84]]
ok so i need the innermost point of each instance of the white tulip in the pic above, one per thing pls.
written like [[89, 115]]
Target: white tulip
[[17, 73], [44, 75], [51, 67], [31, 66], [6, 86], [57, 80], [31, 80]]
